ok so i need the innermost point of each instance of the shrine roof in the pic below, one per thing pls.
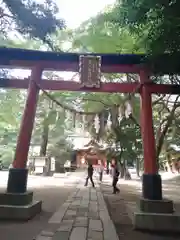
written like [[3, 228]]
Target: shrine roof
[[92, 144], [161, 63]]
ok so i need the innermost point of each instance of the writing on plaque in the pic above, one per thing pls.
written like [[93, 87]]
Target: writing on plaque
[[90, 71]]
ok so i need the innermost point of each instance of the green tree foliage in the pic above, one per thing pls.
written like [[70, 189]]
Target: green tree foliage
[[11, 104], [52, 123], [115, 30], [36, 20], [157, 22], [98, 35]]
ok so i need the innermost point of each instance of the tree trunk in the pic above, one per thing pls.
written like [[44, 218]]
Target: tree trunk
[[170, 118], [59, 167], [114, 116], [168, 163], [127, 175], [137, 167], [44, 139], [122, 171]]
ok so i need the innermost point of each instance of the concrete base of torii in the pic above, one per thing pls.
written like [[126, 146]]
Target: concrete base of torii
[[17, 203], [18, 207], [154, 215]]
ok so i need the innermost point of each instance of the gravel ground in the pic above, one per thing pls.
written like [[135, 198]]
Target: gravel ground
[[117, 210]]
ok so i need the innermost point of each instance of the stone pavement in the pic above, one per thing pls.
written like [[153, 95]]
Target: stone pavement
[[83, 216]]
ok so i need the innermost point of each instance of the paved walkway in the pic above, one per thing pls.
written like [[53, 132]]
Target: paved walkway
[[83, 216]]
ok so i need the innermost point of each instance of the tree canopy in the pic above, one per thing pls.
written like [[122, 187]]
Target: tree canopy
[[156, 22], [31, 19]]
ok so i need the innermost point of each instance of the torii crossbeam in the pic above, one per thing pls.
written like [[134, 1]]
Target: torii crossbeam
[[39, 61], [111, 63]]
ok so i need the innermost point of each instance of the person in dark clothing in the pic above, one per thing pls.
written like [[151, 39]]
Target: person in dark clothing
[[90, 175], [115, 176]]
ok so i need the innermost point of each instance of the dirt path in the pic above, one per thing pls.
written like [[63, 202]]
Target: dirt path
[[117, 210]]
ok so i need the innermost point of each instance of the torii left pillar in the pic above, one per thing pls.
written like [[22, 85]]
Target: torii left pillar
[[18, 175]]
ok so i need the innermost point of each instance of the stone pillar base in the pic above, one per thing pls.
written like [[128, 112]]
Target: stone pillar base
[[156, 206], [18, 206], [157, 222], [16, 203], [155, 216]]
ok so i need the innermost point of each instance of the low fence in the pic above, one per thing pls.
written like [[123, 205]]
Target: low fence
[[47, 166]]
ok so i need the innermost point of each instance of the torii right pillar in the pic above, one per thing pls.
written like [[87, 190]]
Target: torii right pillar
[[155, 213], [152, 186]]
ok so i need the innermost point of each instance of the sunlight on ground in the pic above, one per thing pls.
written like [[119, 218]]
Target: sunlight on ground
[[43, 182]]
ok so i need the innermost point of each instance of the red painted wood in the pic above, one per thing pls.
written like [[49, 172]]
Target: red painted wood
[[16, 83], [105, 87], [27, 122], [74, 67], [147, 131]]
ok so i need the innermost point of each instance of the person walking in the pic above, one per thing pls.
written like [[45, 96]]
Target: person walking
[[90, 175], [115, 176]]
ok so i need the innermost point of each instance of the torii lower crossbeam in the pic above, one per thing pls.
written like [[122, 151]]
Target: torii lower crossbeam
[[60, 85]]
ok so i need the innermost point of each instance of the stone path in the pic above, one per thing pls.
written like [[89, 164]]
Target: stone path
[[84, 216]]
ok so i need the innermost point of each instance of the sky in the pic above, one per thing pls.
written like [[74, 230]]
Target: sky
[[77, 11]]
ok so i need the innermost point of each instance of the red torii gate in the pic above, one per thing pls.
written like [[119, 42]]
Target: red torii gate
[[38, 61]]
